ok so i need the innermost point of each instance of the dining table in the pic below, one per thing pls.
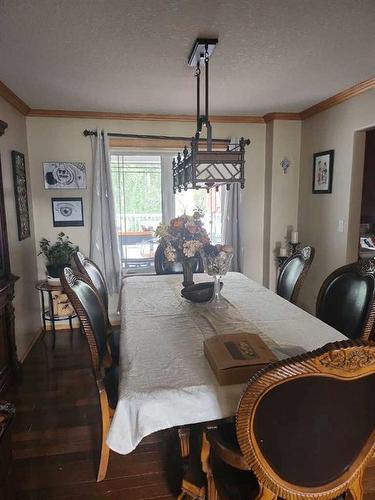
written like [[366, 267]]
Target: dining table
[[165, 380]]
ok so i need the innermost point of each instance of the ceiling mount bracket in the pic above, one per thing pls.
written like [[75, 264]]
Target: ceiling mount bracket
[[201, 46]]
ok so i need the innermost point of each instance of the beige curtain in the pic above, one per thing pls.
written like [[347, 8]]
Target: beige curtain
[[231, 221], [104, 245]]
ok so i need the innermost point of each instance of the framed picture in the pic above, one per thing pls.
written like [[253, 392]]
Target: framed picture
[[20, 194], [67, 212], [64, 175], [323, 171]]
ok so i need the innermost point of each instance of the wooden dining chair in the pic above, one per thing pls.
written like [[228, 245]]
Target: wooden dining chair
[[162, 266], [346, 300], [293, 273], [91, 313], [92, 273], [294, 427]]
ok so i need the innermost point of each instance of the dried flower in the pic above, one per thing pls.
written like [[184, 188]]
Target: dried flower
[[191, 247], [170, 253], [183, 237]]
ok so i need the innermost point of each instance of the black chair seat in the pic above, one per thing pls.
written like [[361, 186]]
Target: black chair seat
[[227, 435], [233, 484], [223, 441], [293, 273], [111, 385], [114, 344]]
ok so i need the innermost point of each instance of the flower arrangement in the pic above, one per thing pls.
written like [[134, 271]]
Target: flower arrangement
[[183, 237]]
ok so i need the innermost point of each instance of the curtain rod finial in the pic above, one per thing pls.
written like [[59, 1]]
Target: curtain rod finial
[[88, 132]]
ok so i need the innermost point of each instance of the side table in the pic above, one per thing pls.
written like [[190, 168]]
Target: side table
[[48, 313]]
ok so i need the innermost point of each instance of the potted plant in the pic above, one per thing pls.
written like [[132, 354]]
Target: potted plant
[[58, 254]]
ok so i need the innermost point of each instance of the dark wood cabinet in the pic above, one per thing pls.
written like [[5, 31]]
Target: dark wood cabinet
[[9, 366], [7, 490]]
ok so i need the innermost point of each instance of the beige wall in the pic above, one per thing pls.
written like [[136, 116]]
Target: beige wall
[[283, 140], [61, 139], [270, 201], [22, 253], [319, 214]]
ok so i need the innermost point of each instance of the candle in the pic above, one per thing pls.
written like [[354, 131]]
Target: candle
[[283, 252], [294, 237]]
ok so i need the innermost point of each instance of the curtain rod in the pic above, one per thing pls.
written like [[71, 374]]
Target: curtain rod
[[87, 133]]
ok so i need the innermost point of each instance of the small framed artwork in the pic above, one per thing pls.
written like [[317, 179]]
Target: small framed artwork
[[20, 194], [67, 212], [64, 175], [323, 171]]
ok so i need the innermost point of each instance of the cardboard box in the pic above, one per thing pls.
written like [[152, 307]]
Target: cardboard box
[[234, 358]]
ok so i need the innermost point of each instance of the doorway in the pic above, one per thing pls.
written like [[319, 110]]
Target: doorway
[[367, 222]]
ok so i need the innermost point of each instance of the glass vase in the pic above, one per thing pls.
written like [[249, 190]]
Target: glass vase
[[217, 265], [187, 268], [217, 300]]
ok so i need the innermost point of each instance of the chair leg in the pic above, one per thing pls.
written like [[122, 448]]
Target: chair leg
[[265, 494], [104, 450], [356, 489], [206, 467]]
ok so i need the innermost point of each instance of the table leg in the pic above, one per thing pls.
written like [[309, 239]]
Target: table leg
[[71, 330], [43, 312], [52, 316]]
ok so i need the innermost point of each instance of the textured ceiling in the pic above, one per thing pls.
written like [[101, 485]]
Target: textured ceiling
[[131, 55]]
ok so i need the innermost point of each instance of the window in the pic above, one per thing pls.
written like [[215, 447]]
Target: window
[[143, 193], [210, 203]]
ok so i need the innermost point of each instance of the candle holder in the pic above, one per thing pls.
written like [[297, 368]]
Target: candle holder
[[293, 247], [280, 260]]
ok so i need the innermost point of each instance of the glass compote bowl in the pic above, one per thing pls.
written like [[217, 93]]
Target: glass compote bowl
[[216, 263]]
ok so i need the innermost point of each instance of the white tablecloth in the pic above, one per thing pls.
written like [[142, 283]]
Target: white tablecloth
[[165, 379]]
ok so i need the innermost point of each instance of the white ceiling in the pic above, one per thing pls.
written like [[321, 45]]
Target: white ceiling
[[131, 55]]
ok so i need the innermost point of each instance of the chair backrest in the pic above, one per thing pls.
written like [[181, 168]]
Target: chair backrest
[[307, 424], [89, 269], [162, 266], [91, 313], [346, 300], [293, 274]]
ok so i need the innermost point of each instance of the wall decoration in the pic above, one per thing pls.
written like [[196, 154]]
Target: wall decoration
[[64, 175], [67, 212], [323, 171], [285, 164], [20, 194]]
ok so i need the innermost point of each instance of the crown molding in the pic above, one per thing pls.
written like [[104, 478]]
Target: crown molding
[[357, 89], [102, 115], [269, 117], [13, 99], [7, 94]]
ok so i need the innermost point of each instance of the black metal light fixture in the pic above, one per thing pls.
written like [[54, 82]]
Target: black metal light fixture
[[197, 168]]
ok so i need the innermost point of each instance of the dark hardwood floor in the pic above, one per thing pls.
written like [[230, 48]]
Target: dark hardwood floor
[[56, 434]]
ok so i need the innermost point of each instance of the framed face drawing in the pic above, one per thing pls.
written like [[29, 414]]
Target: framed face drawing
[[67, 212], [64, 175]]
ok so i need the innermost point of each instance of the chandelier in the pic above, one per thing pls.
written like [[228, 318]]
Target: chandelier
[[207, 168]]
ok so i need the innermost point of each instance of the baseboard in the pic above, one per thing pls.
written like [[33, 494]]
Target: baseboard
[[33, 342], [62, 325]]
